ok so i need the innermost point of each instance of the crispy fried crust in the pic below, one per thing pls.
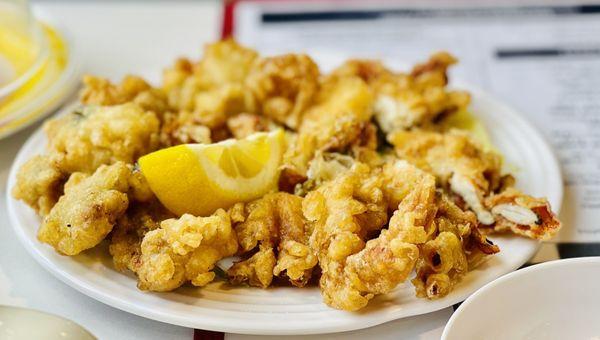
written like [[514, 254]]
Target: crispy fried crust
[[184, 249], [88, 210], [39, 183], [96, 135], [100, 91], [275, 228], [342, 212], [284, 86], [523, 215], [352, 211], [126, 236]]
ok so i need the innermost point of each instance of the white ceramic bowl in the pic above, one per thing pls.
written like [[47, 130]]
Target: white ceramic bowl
[[22, 323], [553, 300]]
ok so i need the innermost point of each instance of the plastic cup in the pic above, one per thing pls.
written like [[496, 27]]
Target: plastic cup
[[23, 47]]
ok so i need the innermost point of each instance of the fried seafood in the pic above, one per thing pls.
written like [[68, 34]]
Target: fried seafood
[[184, 249], [88, 210], [339, 119], [127, 234], [405, 101], [100, 91], [212, 89], [284, 86], [295, 259], [96, 135], [39, 183], [523, 214], [274, 227], [387, 260], [454, 247], [376, 181], [460, 165], [342, 213], [467, 170]]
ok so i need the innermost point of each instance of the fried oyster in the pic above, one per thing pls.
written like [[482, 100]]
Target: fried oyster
[[375, 183]]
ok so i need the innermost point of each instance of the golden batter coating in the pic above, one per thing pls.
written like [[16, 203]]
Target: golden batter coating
[[338, 186], [126, 236], [100, 91], [341, 113], [245, 124], [96, 135], [284, 86], [295, 259], [523, 215], [212, 89], [185, 249], [460, 165], [342, 213], [88, 210], [39, 183], [275, 228], [454, 247]]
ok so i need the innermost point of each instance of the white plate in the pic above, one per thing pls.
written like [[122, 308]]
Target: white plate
[[552, 300], [17, 323], [284, 310]]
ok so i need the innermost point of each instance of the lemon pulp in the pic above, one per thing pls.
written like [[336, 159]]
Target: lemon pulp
[[200, 178]]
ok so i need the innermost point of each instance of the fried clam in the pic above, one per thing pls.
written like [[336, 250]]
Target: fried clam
[[81, 141], [461, 166], [284, 86], [522, 214], [342, 213], [90, 207], [338, 120], [274, 228], [388, 260], [40, 183], [454, 247], [131, 89], [94, 135], [212, 89], [127, 234], [184, 249], [472, 174], [404, 101]]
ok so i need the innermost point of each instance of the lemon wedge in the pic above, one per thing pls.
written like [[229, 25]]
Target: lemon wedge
[[200, 178]]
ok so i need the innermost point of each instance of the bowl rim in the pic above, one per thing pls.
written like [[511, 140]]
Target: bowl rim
[[511, 276]]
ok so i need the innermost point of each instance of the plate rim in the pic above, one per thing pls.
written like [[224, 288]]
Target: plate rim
[[514, 275], [243, 326]]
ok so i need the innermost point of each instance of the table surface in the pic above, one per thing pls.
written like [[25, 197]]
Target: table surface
[[115, 39]]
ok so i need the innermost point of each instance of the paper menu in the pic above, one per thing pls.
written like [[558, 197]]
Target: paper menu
[[544, 60]]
